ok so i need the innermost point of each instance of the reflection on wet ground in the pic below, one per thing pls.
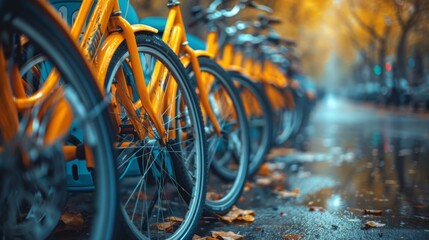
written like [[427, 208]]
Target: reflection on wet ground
[[351, 160], [354, 164]]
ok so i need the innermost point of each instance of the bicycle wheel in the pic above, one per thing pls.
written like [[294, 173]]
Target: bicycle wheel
[[299, 111], [259, 116], [32, 161], [228, 153], [284, 118], [291, 120], [163, 185]]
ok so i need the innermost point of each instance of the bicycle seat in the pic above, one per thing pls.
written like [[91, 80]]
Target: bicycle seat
[[160, 22]]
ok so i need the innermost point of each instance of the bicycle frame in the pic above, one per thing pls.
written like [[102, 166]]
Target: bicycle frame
[[106, 21], [14, 100], [10, 117], [105, 30], [175, 36]]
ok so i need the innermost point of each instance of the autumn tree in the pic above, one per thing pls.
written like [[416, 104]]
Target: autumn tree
[[375, 19], [409, 13]]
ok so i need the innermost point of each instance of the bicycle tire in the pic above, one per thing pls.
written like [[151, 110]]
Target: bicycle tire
[[225, 198], [261, 125], [40, 25], [189, 184], [300, 112], [296, 118], [284, 119]]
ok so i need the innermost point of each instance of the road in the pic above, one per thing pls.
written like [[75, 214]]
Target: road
[[354, 163]]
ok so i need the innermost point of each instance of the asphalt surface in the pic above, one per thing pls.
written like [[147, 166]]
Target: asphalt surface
[[353, 164]]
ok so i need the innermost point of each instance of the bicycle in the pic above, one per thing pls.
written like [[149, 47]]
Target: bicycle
[[225, 121], [257, 108], [261, 57], [35, 121], [160, 142]]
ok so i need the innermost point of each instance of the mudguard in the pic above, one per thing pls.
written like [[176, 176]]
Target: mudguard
[[108, 48]]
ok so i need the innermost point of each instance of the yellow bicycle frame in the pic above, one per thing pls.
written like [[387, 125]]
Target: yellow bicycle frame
[[175, 36], [105, 31]]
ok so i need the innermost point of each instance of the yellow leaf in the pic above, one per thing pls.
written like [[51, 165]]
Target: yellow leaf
[[174, 219], [239, 214], [227, 235], [287, 194], [73, 219], [372, 224], [292, 237], [163, 226]]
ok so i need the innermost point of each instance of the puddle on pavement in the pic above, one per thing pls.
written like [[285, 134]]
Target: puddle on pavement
[[353, 167]]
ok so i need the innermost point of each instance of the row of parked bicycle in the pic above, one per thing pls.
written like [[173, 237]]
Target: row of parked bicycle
[[139, 113]]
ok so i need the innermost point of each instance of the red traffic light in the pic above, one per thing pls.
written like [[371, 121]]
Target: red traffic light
[[388, 66]]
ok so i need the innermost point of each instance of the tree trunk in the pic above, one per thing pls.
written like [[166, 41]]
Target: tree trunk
[[401, 54], [381, 57]]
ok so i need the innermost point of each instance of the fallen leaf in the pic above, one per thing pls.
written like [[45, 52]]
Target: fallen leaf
[[163, 226], [372, 224], [213, 196], [174, 219], [276, 177], [264, 181], [73, 219], [278, 152], [366, 211], [356, 210], [292, 236], [287, 194], [264, 170], [372, 211], [238, 214], [196, 237], [279, 187], [227, 235], [316, 209], [248, 186]]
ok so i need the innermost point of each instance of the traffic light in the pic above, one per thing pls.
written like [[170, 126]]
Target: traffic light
[[377, 70], [388, 66]]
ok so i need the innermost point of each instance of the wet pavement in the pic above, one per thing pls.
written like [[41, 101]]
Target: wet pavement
[[354, 164]]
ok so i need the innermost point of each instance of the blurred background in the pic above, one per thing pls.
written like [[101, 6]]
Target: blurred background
[[372, 51]]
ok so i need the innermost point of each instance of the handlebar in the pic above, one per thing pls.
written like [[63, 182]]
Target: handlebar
[[259, 6], [213, 14]]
